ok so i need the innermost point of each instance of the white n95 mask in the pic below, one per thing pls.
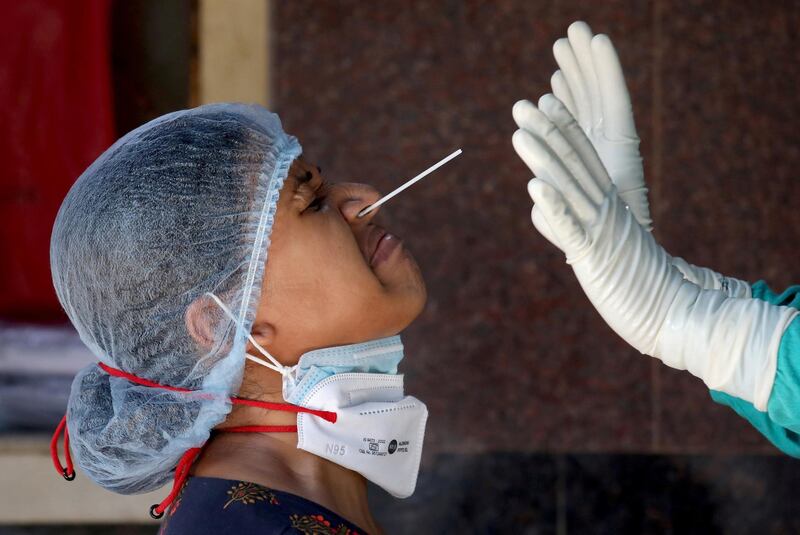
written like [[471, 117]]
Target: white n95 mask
[[378, 430]]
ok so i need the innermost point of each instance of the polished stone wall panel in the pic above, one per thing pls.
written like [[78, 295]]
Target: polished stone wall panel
[[508, 354]]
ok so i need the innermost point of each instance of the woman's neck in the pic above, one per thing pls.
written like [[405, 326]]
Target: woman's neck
[[275, 461]]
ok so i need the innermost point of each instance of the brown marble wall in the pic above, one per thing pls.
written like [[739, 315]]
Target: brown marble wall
[[509, 355]]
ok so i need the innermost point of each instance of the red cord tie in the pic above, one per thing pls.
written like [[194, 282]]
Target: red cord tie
[[69, 471], [188, 458]]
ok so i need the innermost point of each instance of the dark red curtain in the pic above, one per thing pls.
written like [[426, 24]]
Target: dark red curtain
[[55, 119]]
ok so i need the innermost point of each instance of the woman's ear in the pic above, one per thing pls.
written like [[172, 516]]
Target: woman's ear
[[200, 318], [203, 314]]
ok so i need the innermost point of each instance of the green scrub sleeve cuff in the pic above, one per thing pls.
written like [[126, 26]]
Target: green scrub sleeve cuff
[[781, 437], [781, 423], [790, 297]]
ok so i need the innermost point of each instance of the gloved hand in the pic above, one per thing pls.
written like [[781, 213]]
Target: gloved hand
[[590, 83], [730, 343]]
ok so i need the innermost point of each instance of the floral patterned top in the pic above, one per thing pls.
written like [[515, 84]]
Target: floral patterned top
[[214, 506]]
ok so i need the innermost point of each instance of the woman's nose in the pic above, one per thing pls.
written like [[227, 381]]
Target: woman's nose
[[350, 198]]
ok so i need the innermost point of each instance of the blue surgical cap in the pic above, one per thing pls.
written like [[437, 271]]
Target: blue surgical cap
[[181, 206]]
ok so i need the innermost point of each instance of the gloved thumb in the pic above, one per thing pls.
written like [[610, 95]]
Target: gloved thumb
[[566, 228]]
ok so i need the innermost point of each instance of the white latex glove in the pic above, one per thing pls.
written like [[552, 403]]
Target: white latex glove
[[730, 343], [590, 83]]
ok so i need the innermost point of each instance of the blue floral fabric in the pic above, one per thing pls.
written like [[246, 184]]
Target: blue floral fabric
[[214, 506]]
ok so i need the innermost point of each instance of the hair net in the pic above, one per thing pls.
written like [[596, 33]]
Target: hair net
[[181, 206]]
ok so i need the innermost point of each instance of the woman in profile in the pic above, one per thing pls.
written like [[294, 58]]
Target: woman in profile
[[245, 320]]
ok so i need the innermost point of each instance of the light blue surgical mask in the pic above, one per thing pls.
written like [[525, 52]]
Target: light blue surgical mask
[[376, 356]]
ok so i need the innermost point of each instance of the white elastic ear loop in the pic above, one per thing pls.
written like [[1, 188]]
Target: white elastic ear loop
[[273, 363]]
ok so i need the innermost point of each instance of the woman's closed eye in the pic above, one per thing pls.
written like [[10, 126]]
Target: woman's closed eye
[[319, 198]]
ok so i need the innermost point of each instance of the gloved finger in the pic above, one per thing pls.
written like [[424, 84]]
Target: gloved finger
[[618, 122], [567, 229], [562, 92], [541, 224], [537, 122], [568, 64], [580, 38], [541, 160], [560, 116]]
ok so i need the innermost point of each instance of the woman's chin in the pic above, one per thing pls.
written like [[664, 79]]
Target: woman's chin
[[398, 273], [408, 293], [397, 269]]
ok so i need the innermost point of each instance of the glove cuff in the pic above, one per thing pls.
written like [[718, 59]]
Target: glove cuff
[[708, 279], [730, 343]]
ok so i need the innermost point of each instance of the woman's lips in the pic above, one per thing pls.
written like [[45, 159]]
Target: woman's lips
[[386, 246], [377, 245]]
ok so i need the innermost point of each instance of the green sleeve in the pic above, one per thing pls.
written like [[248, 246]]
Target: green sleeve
[[781, 423], [790, 297]]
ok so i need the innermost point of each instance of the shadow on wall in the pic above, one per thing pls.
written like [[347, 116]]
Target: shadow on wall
[[587, 494]]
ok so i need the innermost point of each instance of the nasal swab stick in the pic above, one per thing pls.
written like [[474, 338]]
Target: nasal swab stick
[[408, 184]]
